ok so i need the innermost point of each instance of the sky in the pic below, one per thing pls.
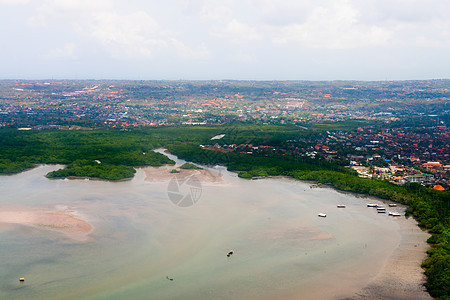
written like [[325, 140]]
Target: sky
[[225, 39]]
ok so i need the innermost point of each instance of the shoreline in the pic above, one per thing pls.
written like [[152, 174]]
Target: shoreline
[[401, 276]]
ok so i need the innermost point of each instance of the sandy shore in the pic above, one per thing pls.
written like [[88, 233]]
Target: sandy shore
[[162, 174], [401, 277], [65, 221]]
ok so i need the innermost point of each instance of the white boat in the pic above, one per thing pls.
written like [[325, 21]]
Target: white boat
[[322, 215], [381, 211], [381, 208], [396, 214], [392, 205], [341, 206], [372, 205]]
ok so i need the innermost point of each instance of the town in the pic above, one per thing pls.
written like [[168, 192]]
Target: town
[[396, 131]]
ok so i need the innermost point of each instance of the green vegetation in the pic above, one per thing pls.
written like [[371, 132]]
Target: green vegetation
[[91, 169], [174, 171], [188, 166], [109, 155]]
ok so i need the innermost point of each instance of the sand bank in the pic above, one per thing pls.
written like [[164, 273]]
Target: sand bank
[[65, 221], [162, 174]]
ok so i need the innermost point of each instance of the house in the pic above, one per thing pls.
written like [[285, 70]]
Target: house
[[432, 165], [419, 178], [438, 187]]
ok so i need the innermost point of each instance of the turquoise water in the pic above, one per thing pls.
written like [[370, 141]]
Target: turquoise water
[[282, 249]]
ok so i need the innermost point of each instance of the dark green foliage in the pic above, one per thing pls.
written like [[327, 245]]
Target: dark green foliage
[[117, 151], [189, 166], [91, 169]]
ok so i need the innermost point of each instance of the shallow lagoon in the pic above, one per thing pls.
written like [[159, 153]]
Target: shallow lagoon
[[140, 238]]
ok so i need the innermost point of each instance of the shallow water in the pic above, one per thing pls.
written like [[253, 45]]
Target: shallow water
[[282, 249]]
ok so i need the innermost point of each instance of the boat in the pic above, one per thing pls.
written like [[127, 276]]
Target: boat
[[391, 213], [322, 215], [372, 205], [381, 208], [341, 206], [392, 205], [396, 214], [382, 211]]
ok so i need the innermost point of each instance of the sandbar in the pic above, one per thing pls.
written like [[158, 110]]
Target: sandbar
[[65, 221], [162, 174]]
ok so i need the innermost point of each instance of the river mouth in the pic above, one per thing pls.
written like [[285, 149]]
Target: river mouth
[[145, 245]]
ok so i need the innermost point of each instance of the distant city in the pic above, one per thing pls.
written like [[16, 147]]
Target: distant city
[[396, 131]]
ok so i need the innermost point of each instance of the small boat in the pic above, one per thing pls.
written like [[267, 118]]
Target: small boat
[[372, 205], [391, 213], [381, 208], [230, 253], [341, 206], [381, 211], [21, 279], [396, 214], [392, 205], [322, 215]]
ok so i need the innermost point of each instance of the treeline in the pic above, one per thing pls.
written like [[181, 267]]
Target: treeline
[[109, 155], [92, 169], [428, 206]]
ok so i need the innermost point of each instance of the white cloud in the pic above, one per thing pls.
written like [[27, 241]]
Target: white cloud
[[335, 26], [67, 51], [200, 52], [14, 2], [236, 32], [131, 35]]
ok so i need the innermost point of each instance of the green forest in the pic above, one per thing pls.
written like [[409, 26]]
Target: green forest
[[114, 154]]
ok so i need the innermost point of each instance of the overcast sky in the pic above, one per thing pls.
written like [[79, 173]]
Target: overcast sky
[[225, 39]]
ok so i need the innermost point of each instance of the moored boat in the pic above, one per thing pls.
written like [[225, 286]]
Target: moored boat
[[372, 205], [341, 206], [392, 205], [322, 215]]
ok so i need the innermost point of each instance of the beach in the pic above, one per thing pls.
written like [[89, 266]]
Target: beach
[[401, 276]]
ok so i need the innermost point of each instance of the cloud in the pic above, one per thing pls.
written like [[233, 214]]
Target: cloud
[[236, 32], [14, 2], [129, 35], [126, 35], [67, 51], [334, 26]]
